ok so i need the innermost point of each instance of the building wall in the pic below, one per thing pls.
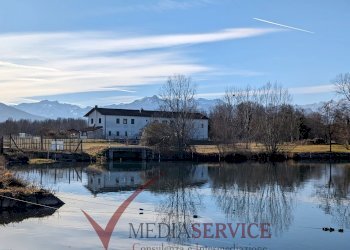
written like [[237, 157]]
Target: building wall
[[113, 130]]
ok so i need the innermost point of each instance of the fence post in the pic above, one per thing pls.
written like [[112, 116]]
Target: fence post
[[10, 141], [1, 145]]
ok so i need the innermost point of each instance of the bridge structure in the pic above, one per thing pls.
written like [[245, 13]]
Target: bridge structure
[[130, 153]]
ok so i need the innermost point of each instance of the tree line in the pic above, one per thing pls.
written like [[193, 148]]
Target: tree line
[[262, 116], [49, 128]]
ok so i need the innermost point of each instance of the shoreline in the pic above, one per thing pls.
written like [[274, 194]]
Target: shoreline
[[38, 158], [17, 196]]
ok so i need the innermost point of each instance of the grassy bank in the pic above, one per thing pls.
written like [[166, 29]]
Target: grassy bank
[[19, 196], [10, 184], [258, 148]]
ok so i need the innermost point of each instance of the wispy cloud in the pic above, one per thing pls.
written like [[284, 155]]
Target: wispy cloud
[[306, 90], [317, 89], [283, 25], [42, 64], [157, 6]]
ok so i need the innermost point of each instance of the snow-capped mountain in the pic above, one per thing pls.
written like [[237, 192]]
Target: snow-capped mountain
[[154, 102], [53, 109], [8, 112], [310, 108], [147, 103]]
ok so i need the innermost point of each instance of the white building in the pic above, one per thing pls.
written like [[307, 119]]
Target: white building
[[128, 124]]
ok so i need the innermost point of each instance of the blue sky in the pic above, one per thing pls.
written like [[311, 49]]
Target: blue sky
[[104, 52]]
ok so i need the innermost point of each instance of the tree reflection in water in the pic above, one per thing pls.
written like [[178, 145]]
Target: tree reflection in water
[[181, 200], [334, 193], [258, 193]]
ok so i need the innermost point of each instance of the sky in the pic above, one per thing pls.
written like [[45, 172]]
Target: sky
[[103, 52]]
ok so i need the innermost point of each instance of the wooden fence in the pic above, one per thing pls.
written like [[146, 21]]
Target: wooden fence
[[42, 144]]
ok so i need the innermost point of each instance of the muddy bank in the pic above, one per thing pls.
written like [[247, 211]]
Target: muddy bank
[[18, 196], [19, 201]]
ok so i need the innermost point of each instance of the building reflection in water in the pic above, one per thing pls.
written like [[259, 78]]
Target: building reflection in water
[[247, 192]]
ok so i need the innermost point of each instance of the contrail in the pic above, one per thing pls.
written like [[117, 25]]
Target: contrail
[[282, 25]]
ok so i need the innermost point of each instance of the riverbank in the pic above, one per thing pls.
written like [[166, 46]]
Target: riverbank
[[17, 195], [15, 157], [195, 153]]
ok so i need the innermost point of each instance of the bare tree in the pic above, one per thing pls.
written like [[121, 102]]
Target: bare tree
[[159, 136], [272, 123], [222, 126], [329, 113], [342, 84], [178, 98], [246, 105]]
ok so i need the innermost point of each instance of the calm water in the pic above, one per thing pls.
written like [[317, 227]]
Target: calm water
[[297, 199]]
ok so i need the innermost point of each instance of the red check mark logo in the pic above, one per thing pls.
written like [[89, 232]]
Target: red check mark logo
[[105, 234]]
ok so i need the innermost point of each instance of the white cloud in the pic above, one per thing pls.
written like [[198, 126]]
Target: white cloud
[[39, 64], [318, 89]]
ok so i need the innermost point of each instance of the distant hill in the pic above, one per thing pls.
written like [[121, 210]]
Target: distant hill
[[310, 108], [153, 103], [8, 112], [148, 103], [53, 109]]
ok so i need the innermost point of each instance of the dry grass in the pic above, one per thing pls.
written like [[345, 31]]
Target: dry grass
[[13, 185], [290, 148], [319, 149], [94, 148]]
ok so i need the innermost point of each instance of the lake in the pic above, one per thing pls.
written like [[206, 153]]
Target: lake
[[189, 206]]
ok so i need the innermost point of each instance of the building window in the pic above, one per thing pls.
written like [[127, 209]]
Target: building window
[[125, 121], [132, 121], [117, 133], [109, 133], [99, 120], [117, 180], [118, 121], [132, 179], [92, 121], [99, 181], [202, 125], [126, 133]]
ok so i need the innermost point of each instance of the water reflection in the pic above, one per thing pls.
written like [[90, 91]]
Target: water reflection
[[257, 193], [333, 194], [180, 200], [116, 177], [14, 216], [247, 192]]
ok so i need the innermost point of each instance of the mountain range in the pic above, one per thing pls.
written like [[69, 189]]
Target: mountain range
[[53, 109]]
